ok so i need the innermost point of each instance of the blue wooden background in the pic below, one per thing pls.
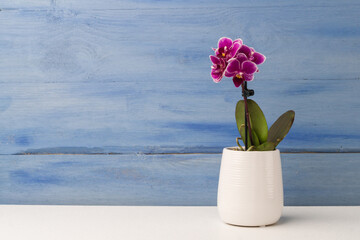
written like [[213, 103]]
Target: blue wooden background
[[132, 78]]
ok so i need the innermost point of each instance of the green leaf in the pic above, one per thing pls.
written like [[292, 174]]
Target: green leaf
[[266, 146], [257, 119], [242, 133], [255, 139], [281, 127]]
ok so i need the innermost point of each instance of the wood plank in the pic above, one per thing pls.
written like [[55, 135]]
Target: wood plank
[[91, 38], [112, 120], [24, 4], [185, 179], [87, 82], [153, 4]]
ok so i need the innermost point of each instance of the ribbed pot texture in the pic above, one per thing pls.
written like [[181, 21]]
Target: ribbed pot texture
[[250, 191]]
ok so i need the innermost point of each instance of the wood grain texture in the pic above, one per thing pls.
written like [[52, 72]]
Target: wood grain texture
[[190, 179], [152, 4], [124, 76]]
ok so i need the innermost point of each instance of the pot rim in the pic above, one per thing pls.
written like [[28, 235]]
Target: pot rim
[[231, 149]]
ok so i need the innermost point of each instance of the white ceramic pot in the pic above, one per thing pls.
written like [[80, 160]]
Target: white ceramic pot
[[250, 191]]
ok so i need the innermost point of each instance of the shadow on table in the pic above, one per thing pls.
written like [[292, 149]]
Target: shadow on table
[[285, 220]]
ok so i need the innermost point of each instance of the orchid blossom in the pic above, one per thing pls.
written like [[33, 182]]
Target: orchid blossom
[[251, 54], [227, 48], [235, 59], [240, 69], [218, 68]]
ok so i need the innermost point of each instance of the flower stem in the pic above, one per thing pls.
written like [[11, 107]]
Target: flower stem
[[247, 118]]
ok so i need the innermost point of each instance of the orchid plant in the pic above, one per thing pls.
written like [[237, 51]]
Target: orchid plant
[[236, 60]]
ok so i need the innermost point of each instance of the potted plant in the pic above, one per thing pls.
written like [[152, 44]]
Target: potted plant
[[250, 191]]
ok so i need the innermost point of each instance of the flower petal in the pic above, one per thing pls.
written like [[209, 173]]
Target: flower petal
[[217, 53], [246, 50], [248, 77], [237, 81], [248, 67], [234, 50], [241, 57], [225, 42], [214, 60], [258, 58], [240, 41], [227, 74], [232, 68], [216, 75]]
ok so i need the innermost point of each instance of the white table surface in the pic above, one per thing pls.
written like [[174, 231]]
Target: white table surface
[[170, 223]]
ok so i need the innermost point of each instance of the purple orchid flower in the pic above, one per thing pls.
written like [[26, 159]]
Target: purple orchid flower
[[240, 69], [227, 48], [235, 59], [251, 54], [218, 68]]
